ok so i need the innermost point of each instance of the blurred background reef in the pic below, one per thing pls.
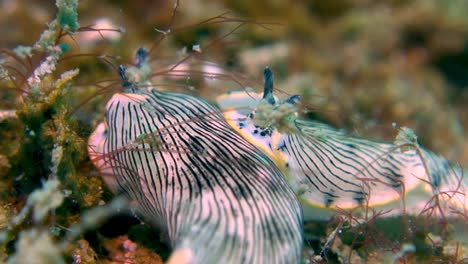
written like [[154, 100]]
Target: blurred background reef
[[360, 65]]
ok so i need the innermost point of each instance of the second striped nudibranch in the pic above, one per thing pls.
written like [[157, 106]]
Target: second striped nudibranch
[[328, 168], [218, 197]]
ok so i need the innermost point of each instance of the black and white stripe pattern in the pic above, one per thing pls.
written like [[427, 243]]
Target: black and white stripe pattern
[[219, 198], [329, 168], [337, 169]]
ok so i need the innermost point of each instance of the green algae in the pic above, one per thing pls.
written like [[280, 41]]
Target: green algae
[[366, 80]]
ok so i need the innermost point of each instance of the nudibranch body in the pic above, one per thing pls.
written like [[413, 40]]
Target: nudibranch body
[[219, 198], [328, 168]]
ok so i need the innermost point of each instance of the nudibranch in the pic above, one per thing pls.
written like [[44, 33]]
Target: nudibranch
[[329, 168], [218, 198]]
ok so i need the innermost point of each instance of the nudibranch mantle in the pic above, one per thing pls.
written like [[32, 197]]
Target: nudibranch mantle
[[219, 198], [328, 168]]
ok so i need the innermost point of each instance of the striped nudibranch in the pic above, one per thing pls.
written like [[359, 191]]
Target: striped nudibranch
[[219, 198], [328, 168]]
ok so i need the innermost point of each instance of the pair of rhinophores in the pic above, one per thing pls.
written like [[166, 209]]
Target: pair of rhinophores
[[225, 185]]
